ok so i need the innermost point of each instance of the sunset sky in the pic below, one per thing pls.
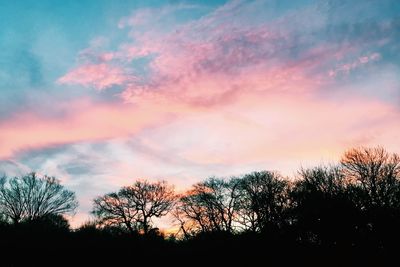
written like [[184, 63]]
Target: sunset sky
[[100, 93]]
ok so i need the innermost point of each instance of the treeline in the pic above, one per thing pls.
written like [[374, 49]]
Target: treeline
[[348, 210]]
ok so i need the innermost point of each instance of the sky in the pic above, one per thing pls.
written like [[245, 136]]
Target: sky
[[101, 93]]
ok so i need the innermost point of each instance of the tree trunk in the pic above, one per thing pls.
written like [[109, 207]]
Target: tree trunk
[[145, 226]]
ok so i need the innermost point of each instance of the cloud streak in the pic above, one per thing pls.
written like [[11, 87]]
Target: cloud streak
[[100, 76], [83, 121]]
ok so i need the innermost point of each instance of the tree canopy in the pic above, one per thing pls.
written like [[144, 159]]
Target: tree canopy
[[31, 197]]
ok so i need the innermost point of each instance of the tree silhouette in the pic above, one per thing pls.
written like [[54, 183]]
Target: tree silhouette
[[135, 206], [115, 209], [31, 197], [324, 209], [377, 173], [264, 200], [210, 206], [345, 213]]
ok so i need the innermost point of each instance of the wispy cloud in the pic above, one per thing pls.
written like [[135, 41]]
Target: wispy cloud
[[348, 67], [83, 120], [100, 76], [225, 62], [234, 50]]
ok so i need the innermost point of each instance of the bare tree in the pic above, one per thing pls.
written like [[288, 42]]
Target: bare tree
[[263, 199], [191, 214], [114, 209], [210, 206], [135, 206], [11, 199], [377, 172], [329, 180], [151, 200], [324, 206], [31, 197]]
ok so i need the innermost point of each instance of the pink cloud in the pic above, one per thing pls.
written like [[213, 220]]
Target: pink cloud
[[348, 67], [217, 58], [204, 66], [147, 16], [275, 128], [107, 56], [84, 121], [184, 143], [100, 76]]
